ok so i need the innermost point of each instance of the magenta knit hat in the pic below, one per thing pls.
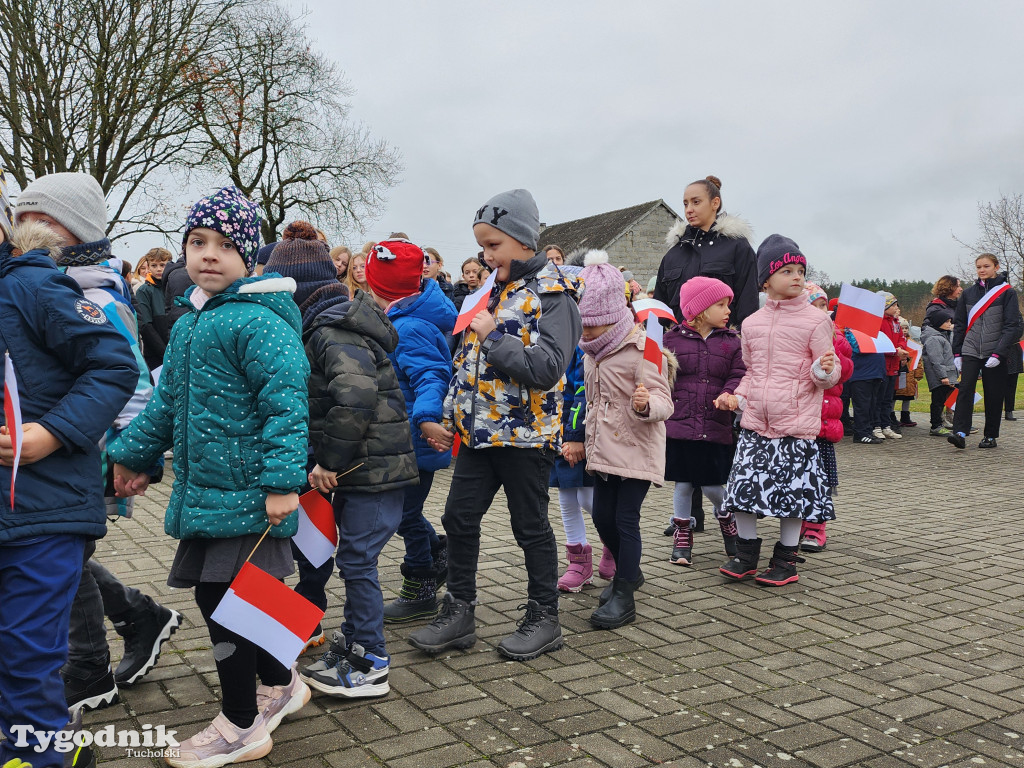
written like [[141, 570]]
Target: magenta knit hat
[[699, 293], [604, 291]]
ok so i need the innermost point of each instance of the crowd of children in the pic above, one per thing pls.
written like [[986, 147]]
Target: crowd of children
[[281, 369]]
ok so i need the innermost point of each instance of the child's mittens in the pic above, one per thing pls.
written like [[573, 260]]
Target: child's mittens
[[641, 398], [726, 402]]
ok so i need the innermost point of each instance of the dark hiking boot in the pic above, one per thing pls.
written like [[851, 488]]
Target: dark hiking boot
[[144, 632], [957, 439], [781, 568], [620, 608], [744, 564], [729, 535], [416, 600], [454, 627], [538, 632], [87, 689]]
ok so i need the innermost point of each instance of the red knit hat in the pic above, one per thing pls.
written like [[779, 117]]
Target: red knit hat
[[699, 293], [394, 269]]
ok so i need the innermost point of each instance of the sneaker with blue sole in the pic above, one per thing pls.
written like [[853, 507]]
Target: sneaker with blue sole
[[358, 675]]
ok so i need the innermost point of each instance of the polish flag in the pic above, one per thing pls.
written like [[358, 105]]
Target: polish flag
[[915, 350], [951, 400], [985, 302], [860, 310], [456, 444], [474, 304], [317, 537], [266, 612], [645, 307], [653, 343], [869, 344], [12, 416]]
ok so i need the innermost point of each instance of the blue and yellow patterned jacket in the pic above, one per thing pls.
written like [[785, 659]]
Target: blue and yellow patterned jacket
[[508, 391]]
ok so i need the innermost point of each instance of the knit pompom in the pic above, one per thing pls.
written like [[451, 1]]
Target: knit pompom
[[299, 230], [595, 257]]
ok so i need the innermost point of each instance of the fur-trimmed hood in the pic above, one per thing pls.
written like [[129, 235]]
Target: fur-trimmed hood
[[726, 225], [34, 235]]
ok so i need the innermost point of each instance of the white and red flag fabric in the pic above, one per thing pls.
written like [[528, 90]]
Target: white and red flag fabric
[[645, 307], [951, 400], [915, 351], [860, 310], [873, 344], [654, 341], [475, 303], [265, 611], [985, 302], [317, 537], [12, 416]]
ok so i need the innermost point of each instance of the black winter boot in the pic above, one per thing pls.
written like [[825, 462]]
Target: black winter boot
[[682, 543], [744, 564], [606, 594], [538, 632], [416, 600], [620, 608], [729, 536], [453, 627], [144, 632], [781, 568], [440, 557]]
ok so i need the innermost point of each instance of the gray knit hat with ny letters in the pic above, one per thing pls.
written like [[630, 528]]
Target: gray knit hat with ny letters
[[514, 213], [73, 200]]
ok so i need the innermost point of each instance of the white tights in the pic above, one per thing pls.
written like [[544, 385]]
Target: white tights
[[574, 502], [789, 528]]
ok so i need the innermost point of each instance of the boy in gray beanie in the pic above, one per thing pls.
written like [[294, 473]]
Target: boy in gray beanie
[[505, 403], [74, 200]]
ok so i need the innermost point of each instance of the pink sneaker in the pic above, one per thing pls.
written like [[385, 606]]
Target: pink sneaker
[[221, 743], [581, 568], [606, 568], [275, 702], [812, 537]]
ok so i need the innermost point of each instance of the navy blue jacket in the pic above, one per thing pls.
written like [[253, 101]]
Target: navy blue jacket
[[866, 365], [423, 363], [574, 415], [75, 373]]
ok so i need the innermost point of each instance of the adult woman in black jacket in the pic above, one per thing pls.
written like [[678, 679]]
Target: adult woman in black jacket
[[711, 243], [947, 291], [983, 337]]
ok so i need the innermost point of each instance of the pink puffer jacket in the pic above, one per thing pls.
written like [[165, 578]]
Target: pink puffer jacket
[[832, 402], [782, 388], [619, 441]]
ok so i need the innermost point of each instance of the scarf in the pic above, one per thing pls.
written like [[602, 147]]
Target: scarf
[[84, 254], [598, 348]]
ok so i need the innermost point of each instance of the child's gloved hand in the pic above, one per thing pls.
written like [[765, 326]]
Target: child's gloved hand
[[828, 361], [280, 505], [992, 362], [958, 363], [573, 453], [128, 482], [641, 397], [437, 437]]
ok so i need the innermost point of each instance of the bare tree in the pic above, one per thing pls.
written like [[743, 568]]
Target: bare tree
[[1002, 233], [106, 87], [277, 124]]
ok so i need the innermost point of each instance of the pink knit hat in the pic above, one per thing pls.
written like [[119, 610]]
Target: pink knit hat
[[604, 291], [699, 293]]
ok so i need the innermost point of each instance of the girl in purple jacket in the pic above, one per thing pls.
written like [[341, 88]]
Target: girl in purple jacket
[[699, 445], [790, 359]]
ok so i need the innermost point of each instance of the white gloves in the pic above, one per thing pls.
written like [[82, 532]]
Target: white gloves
[[992, 362], [958, 363]]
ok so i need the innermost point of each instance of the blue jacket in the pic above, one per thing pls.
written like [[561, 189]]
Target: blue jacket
[[866, 365], [232, 400], [74, 372], [574, 415], [423, 363]]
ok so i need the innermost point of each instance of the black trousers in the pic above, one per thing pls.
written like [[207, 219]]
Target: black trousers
[[1011, 391], [616, 514], [523, 473], [864, 396], [993, 381], [939, 395]]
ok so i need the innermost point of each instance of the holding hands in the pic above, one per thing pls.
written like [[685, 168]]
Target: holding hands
[[726, 402], [573, 453], [128, 482]]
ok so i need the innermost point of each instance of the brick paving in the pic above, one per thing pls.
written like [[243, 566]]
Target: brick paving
[[899, 646]]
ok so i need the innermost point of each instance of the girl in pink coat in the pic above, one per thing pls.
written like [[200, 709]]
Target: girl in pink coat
[[787, 348], [628, 401]]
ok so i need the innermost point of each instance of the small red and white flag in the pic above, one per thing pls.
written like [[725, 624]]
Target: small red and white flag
[[951, 400], [12, 416], [317, 537], [653, 343], [269, 614], [645, 307], [860, 310], [985, 302], [873, 344], [475, 303], [915, 352]]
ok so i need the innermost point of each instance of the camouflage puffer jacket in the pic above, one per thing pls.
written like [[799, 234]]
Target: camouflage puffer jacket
[[356, 409], [507, 388]]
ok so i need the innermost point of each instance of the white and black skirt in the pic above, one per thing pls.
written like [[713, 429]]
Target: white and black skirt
[[780, 477]]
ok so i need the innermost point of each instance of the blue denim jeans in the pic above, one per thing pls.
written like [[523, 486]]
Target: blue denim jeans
[[38, 579], [417, 532]]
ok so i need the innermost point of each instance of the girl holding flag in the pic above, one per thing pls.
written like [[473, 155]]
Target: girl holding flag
[[986, 325], [628, 400]]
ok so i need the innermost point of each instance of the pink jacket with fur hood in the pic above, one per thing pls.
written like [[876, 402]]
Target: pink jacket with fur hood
[[782, 390], [620, 441]]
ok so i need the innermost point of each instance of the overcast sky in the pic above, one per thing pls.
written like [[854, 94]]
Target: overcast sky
[[867, 132]]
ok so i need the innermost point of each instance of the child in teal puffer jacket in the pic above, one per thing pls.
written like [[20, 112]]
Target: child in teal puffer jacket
[[232, 400]]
